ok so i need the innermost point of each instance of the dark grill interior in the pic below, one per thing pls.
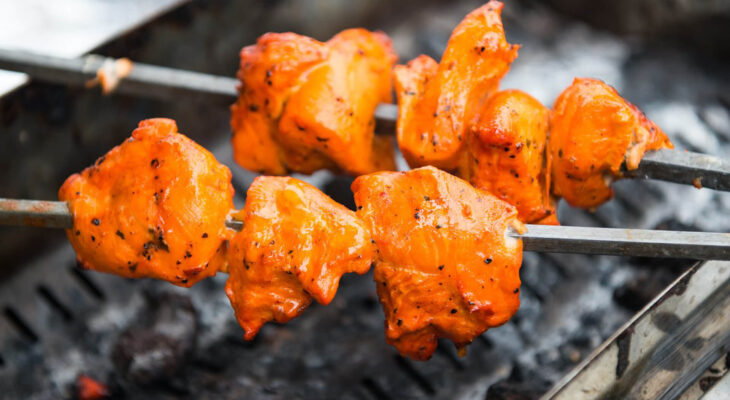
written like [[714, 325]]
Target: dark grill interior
[[59, 321]]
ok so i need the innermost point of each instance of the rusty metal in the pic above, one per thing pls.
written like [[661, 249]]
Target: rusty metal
[[664, 348], [541, 238], [46, 214]]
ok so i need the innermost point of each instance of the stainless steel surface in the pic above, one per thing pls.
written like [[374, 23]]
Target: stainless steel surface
[[627, 242], [684, 167], [664, 348], [540, 238], [721, 390], [713, 384]]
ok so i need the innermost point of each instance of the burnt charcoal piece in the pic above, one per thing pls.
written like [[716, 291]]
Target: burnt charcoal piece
[[160, 342], [86, 387], [509, 390], [644, 287]]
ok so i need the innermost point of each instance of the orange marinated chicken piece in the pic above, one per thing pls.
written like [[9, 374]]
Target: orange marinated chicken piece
[[305, 105], [295, 245], [594, 131], [507, 157], [154, 206], [437, 102], [447, 267]]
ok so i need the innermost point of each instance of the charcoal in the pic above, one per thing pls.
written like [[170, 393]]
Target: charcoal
[[510, 390], [159, 342], [645, 286]]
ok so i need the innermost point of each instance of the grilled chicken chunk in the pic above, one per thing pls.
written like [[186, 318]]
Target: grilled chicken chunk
[[436, 102], [507, 145], [295, 245], [446, 266], [154, 206], [305, 105], [594, 131]]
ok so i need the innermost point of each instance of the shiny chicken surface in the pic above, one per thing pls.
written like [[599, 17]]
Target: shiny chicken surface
[[295, 245], [507, 145], [306, 105], [154, 206], [436, 102], [594, 131], [446, 267]]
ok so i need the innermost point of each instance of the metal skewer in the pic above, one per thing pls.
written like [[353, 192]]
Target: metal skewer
[[541, 238], [161, 82]]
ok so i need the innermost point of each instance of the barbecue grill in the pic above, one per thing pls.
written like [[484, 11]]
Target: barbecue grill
[[588, 325]]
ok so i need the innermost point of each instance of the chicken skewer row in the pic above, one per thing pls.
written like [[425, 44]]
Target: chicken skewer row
[[446, 254], [305, 105]]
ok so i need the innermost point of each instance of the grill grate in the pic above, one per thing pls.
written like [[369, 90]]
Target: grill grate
[[59, 322]]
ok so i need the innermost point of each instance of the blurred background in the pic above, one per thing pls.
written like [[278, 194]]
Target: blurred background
[[671, 58]]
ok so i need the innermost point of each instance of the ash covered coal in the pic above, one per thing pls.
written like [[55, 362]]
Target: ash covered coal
[[159, 342]]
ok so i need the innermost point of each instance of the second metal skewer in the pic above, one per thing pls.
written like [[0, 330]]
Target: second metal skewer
[[166, 83], [540, 238]]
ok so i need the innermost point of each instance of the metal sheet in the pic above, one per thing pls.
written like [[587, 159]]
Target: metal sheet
[[721, 390], [660, 352]]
